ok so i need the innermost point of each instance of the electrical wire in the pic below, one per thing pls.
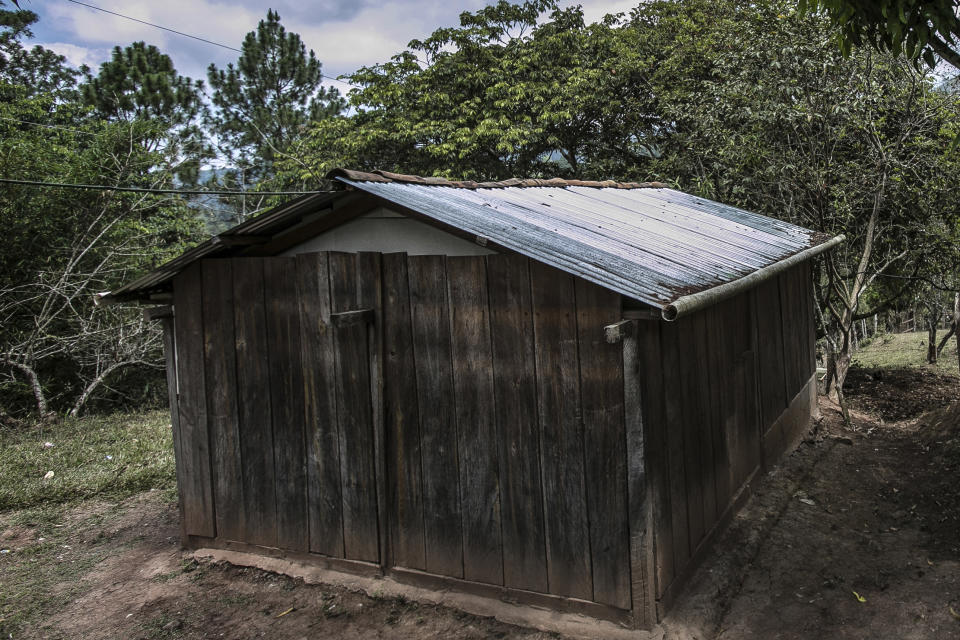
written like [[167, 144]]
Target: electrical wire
[[185, 192], [185, 35]]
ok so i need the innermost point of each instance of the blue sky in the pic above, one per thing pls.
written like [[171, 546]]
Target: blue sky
[[345, 34]]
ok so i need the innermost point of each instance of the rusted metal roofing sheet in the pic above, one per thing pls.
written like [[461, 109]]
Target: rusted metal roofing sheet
[[647, 242]]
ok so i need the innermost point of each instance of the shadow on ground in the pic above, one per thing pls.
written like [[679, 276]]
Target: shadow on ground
[[855, 535]]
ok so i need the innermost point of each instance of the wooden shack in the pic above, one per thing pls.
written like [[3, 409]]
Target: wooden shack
[[550, 392]]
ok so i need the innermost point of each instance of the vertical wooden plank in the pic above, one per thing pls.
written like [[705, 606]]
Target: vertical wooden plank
[[770, 352], [640, 498], [747, 417], [810, 313], [475, 409], [720, 375], [656, 446], [286, 398], [197, 489], [430, 315], [401, 418], [800, 307], [220, 368], [700, 420], [688, 398], [739, 402], [370, 296], [325, 508], [680, 509], [605, 457], [514, 382], [558, 400], [170, 355], [253, 403], [354, 417], [791, 317]]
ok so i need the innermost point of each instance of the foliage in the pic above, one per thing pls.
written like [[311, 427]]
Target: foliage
[[507, 93], [64, 245], [36, 70], [785, 125], [264, 102], [922, 30], [140, 83]]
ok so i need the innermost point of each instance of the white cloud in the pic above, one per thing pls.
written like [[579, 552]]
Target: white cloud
[[77, 55], [345, 34]]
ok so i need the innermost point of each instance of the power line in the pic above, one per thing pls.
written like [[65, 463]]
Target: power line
[[185, 35], [184, 192], [150, 24]]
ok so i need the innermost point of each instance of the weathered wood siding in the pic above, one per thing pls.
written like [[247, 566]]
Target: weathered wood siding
[[721, 399], [463, 420], [472, 426]]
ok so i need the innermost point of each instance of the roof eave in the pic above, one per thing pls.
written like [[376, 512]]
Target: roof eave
[[685, 305]]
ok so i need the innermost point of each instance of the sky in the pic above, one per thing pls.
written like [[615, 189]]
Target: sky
[[344, 34]]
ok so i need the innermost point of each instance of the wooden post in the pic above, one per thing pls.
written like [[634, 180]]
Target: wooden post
[[369, 294], [638, 498], [170, 353]]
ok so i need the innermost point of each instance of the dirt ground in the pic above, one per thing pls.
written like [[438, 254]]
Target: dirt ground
[[855, 535]]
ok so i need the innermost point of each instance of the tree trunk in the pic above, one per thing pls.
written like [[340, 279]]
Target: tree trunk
[[88, 391], [932, 338], [39, 397], [954, 324]]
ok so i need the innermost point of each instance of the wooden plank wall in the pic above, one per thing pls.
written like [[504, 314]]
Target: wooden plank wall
[[504, 408], [491, 448], [276, 429], [714, 387]]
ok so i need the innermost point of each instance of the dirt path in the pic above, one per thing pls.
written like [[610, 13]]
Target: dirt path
[[872, 512], [856, 535]]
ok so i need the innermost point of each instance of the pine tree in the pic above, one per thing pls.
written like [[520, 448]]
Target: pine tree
[[265, 102], [139, 81]]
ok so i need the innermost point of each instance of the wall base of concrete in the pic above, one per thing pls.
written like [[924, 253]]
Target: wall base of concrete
[[570, 624]]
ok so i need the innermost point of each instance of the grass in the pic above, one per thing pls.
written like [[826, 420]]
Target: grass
[[897, 350], [108, 456]]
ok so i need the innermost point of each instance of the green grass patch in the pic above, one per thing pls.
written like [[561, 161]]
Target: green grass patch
[[896, 350], [42, 576], [112, 456]]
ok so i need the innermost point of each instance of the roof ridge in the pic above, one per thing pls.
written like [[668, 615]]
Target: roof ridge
[[379, 175]]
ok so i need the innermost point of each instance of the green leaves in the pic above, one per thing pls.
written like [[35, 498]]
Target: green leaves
[[922, 30], [265, 101], [509, 92]]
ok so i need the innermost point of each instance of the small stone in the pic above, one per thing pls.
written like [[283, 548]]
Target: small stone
[[172, 625]]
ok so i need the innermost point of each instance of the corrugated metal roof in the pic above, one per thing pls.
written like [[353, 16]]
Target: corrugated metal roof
[[649, 243], [644, 240]]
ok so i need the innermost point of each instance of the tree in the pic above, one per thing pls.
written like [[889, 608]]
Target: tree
[[37, 70], [526, 89], [139, 81], [61, 246], [785, 125], [265, 102], [922, 30]]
